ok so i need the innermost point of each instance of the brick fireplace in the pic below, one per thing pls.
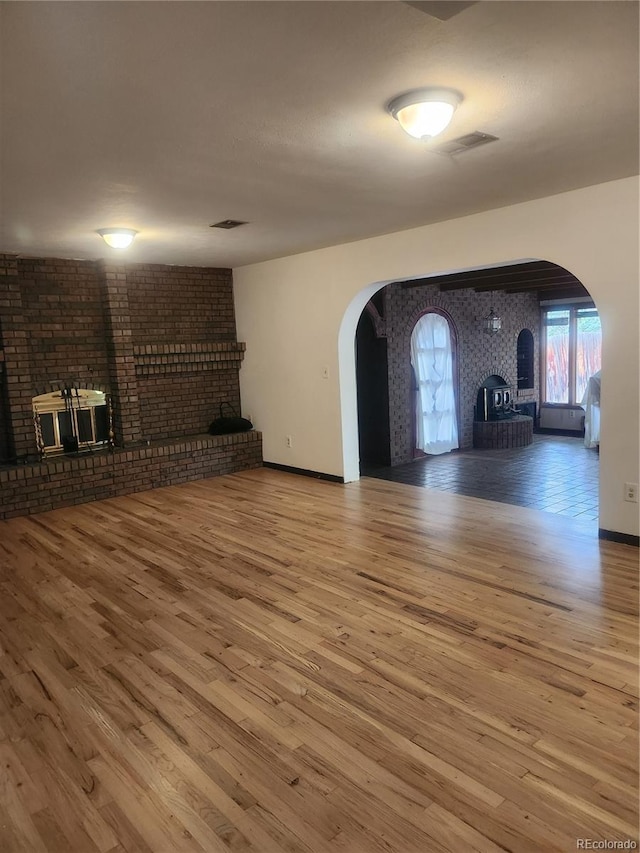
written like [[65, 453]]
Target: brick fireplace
[[159, 341]]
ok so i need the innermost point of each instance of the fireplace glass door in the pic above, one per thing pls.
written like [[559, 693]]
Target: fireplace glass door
[[73, 418]]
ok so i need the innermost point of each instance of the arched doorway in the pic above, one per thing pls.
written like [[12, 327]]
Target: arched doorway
[[373, 389], [519, 350]]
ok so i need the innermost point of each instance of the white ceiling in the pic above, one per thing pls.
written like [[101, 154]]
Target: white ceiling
[[169, 116]]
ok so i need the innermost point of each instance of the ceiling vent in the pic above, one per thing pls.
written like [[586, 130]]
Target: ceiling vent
[[227, 224], [464, 143]]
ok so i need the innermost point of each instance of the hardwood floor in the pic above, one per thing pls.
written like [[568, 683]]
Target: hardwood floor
[[264, 662]]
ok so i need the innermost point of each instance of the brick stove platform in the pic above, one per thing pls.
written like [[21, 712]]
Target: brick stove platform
[[67, 480], [496, 435]]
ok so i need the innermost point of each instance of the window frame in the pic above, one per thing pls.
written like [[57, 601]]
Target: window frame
[[573, 308]]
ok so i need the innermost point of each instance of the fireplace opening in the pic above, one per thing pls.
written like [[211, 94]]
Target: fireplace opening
[[71, 420]]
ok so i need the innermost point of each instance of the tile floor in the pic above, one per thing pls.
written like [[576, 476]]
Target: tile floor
[[555, 474]]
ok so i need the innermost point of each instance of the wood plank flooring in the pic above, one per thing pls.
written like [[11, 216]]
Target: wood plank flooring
[[270, 663]]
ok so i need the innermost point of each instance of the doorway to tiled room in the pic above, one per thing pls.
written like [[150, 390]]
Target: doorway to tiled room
[[527, 348]]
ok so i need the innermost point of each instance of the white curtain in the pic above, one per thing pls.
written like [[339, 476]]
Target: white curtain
[[591, 405], [432, 360]]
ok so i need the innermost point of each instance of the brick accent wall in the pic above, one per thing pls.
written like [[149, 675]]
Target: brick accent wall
[[4, 408], [65, 322], [119, 347], [6, 264], [185, 404], [181, 320], [160, 340], [186, 304], [17, 409], [478, 355]]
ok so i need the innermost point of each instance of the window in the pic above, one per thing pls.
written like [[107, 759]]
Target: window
[[572, 352], [71, 418]]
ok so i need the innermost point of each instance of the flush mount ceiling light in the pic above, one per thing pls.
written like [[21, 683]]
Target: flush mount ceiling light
[[117, 238], [425, 113], [228, 224]]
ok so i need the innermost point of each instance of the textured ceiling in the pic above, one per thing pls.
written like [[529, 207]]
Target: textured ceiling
[[169, 116]]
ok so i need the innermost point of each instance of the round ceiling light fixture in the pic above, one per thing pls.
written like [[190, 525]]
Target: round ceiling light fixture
[[424, 113], [117, 238]]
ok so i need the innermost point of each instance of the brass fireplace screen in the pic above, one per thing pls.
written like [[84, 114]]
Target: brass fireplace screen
[[71, 420]]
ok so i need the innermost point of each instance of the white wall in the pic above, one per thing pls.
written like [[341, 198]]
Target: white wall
[[298, 315], [553, 418]]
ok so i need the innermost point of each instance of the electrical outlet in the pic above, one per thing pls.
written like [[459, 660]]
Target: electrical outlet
[[572, 413], [631, 492], [289, 441]]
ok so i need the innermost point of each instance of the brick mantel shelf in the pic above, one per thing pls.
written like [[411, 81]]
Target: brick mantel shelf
[[187, 358]]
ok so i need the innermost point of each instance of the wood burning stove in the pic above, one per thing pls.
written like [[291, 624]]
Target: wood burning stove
[[498, 424], [494, 401]]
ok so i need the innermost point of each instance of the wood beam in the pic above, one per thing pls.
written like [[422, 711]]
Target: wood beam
[[496, 273], [531, 284], [567, 293], [546, 287], [518, 278]]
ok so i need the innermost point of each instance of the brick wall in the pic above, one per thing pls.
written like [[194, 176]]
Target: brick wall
[[478, 354], [16, 391], [63, 312], [498, 435], [4, 400], [160, 340], [4, 410], [180, 304], [185, 404], [179, 318]]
